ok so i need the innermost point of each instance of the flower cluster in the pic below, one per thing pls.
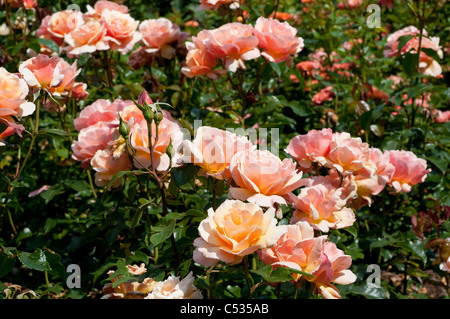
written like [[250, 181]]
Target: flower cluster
[[232, 44], [102, 145], [355, 173]]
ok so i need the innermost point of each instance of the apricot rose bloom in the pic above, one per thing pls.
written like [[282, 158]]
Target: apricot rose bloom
[[161, 35], [213, 149], [199, 61], [310, 148], [121, 29], [168, 131], [42, 71], [234, 42], [263, 178], [277, 39], [322, 203], [57, 25], [333, 269], [409, 170], [87, 38], [297, 248], [235, 229], [174, 288], [13, 103]]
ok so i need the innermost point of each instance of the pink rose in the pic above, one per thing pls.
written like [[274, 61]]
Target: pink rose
[[110, 161], [101, 5], [213, 149], [234, 42], [216, 4], [442, 116], [100, 111], [161, 35], [90, 140], [310, 148], [297, 248], [277, 39], [325, 95], [168, 131], [263, 178], [42, 72], [333, 269], [409, 170], [427, 65], [87, 38], [235, 229], [121, 28], [69, 73], [199, 61], [13, 103], [348, 154], [322, 205]]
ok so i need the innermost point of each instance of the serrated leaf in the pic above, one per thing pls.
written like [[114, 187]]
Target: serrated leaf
[[35, 260]]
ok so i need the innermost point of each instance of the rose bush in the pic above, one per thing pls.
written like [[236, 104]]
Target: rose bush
[[224, 149]]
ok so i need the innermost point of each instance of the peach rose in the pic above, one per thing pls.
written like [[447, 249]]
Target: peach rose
[[42, 72], [409, 170], [69, 73], [234, 42], [87, 38], [121, 28], [322, 205], [277, 39], [101, 5], [64, 22], [333, 269], [110, 161], [131, 289], [199, 61], [168, 131], [312, 147], [234, 230], [348, 154], [174, 288], [92, 139], [263, 178], [212, 150], [13, 103], [297, 248], [100, 111], [161, 35]]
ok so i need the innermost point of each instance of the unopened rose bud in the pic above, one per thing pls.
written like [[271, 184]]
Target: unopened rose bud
[[144, 99], [123, 128]]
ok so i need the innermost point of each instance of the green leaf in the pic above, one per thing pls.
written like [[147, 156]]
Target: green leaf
[[431, 53], [164, 234], [54, 261], [409, 63], [35, 260], [6, 264], [279, 274], [52, 45], [402, 42], [185, 177]]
